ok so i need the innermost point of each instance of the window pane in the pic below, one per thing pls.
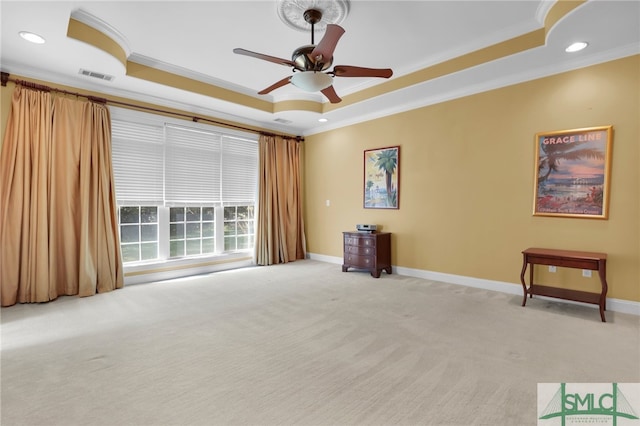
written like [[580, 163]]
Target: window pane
[[176, 231], [176, 214], [149, 251], [129, 214], [243, 227], [250, 210], [207, 213], [230, 213], [149, 214], [229, 243], [208, 245], [229, 228], [193, 247], [149, 232], [129, 234], [193, 214], [193, 230], [243, 243], [208, 229], [243, 212], [177, 248], [130, 253]]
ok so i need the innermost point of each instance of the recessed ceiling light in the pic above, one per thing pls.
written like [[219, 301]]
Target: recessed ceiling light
[[575, 47], [33, 38], [323, 120]]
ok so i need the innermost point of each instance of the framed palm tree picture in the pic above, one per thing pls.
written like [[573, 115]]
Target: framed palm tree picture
[[381, 178], [572, 170]]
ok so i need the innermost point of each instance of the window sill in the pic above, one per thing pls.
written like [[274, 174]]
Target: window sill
[[174, 268]]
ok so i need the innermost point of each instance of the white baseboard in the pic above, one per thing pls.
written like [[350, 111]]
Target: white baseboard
[[616, 305]]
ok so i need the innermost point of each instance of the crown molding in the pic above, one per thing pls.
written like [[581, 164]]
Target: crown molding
[[102, 26]]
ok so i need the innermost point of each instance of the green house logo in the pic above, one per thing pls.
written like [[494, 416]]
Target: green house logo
[[589, 403]]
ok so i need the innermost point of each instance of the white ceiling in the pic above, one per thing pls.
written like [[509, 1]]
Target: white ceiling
[[196, 38]]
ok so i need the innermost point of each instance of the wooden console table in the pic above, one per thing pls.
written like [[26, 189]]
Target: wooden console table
[[565, 259]]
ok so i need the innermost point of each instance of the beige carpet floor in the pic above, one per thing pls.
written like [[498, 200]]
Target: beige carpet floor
[[301, 344]]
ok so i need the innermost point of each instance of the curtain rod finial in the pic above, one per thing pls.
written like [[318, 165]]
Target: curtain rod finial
[[5, 78]]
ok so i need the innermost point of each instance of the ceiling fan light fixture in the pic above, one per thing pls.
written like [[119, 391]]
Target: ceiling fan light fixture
[[311, 81]]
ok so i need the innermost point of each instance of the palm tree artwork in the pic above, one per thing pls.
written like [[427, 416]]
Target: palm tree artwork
[[381, 178], [571, 174]]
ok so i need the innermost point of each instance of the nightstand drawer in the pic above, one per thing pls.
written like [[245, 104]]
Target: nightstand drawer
[[360, 250], [358, 261], [360, 241]]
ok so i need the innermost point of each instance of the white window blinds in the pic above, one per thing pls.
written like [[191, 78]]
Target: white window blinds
[[138, 162], [239, 170], [193, 166], [158, 162]]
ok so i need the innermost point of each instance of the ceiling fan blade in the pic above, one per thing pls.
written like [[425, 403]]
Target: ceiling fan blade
[[331, 94], [328, 43], [350, 71], [264, 57], [274, 86]]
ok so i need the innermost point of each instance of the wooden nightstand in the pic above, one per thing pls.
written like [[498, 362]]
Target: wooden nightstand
[[371, 252]]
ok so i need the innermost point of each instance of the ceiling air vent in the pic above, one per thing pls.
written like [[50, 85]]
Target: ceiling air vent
[[283, 121], [96, 75]]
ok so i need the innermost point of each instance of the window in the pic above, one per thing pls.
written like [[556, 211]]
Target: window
[[238, 228], [138, 233], [182, 191], [192, 231]]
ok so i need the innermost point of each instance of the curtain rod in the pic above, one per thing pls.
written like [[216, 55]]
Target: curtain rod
[[5, 77]]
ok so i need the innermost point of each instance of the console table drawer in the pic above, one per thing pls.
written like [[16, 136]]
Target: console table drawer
[[564, 262]]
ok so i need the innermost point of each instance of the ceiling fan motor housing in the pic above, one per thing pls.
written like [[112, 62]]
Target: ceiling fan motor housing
[[305, 62]]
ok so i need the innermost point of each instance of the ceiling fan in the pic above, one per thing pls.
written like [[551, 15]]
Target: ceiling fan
[[309, 62]]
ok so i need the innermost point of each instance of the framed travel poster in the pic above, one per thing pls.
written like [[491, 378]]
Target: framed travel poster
[[572, 170], [381, 182]]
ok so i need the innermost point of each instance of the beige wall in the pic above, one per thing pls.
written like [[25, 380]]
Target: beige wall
[[466, 180]]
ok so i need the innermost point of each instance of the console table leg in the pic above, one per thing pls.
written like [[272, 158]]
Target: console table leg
[[602, 273], [524, 286], [531, 268]]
